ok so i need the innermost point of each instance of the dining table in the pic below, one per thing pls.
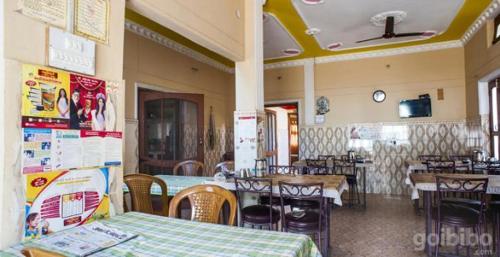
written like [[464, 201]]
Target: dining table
[[163, 236], [333, 187], [426, 182], [363, 166]]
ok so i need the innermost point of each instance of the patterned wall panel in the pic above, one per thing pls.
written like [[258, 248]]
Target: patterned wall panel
[[131, 156], [223, 143], [395, 144]]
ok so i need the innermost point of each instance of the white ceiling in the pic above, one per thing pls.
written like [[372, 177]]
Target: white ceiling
[[277, 39], [348, 21]]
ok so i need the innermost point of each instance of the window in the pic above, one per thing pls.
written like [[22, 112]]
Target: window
[[496, 34]]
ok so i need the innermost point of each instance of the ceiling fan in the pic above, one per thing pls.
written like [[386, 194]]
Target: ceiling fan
[[389, 32]]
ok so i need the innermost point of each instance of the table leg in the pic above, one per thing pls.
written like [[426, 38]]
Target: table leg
[[428, 221], [364, 187], [328, 215]]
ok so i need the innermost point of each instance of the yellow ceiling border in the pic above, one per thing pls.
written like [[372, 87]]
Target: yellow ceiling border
[[137, 18], [286, 12]]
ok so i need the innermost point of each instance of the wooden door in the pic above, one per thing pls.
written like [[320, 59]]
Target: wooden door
[[271, 138], [170, 130]]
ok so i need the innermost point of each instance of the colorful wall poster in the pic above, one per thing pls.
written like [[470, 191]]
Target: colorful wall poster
[[57, 201], [93, 147], [45, 99], [36, 150], [66, 149], [88, 103], [113, 149]]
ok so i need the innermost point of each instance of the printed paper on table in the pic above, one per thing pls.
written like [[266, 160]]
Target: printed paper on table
[[57, 201]]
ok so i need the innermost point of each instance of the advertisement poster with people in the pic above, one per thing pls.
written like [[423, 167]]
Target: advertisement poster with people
[[88, 103], [45, 99], [57, 201]]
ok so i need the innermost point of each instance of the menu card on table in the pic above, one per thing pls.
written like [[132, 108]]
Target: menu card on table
[[86, 239]]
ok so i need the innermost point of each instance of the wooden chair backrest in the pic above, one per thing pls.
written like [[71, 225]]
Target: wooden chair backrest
[[189, 168], [139, 186], [36, 252], [206, 203]]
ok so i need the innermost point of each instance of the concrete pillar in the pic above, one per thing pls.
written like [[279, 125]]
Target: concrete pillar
[[249, 115], [309, 99]]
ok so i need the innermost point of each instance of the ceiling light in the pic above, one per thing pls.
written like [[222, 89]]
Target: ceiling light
[[291, 52], [313, 2], [334, 46], [312, 31], [379, 20]]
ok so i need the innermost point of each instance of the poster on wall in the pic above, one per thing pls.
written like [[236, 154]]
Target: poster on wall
[[88, 103], [53, 12], [36, 150], [113, 149], [365, 133], [45, 100], [57, 201], [66, 149], [92, 19], [246, 144], [112, 91], [93, 147]]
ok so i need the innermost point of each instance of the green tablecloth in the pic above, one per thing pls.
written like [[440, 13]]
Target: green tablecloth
[[161, 236], [175, 183]]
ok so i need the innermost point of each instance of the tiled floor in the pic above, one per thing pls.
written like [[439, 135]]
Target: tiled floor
[[386, 228]]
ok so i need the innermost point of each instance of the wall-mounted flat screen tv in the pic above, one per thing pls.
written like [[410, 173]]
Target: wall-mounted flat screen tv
[[415, 108]]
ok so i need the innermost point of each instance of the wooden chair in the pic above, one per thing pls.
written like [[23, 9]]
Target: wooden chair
[[224, 166], [189, 168], [311, 221], [430, 157], [316, 167], [139, 186], [37, 252], [259, 215], [283, 169], [206, 203], [460, 212]]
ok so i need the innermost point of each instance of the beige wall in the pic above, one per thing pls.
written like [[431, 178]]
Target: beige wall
[[349, 85], [481, 59], [213, 24], [25, 41], [153, 64]]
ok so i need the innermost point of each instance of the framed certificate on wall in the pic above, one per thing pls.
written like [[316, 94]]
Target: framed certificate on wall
[[92, 19]]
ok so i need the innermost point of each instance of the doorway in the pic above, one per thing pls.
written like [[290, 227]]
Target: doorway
[[282, 133], [170, 130]]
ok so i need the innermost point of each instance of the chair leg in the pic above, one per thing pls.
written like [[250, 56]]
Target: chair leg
[[438, 238], [497, 233], [357, 195]]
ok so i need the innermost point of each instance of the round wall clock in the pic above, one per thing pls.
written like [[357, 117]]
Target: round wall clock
[[378, 96]]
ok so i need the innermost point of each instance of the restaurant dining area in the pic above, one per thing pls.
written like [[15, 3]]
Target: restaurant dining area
[[250, 128]]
